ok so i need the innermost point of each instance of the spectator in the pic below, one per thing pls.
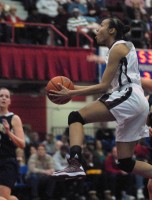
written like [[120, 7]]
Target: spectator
[[117, 180], [20, 156], [49, 143], [61, 24], [48, 8], [40, 167], [141, 153], [139, 34], [64, 3], [148, 5], [75, 21], [35, 139], [99, 152], [132, 5], [37, 34], [4, 32], [95, 171], [77, 4], [93, 8], [33, 150], [60, 158], [15, 20]]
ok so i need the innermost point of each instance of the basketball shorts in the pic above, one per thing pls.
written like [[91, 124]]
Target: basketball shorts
[[9, 172], [130, 109]]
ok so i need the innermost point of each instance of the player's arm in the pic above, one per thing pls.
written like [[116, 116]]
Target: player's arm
[[17, 136], [95, 58], [116, 54], [146, 84]]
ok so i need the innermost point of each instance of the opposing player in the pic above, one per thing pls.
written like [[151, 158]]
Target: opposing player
[[11, 136], [126, 104]]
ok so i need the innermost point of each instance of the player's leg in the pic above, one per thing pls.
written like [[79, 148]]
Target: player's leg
[[149, 186], [5, 192], [12, 197], [2, 198], [94, 112], [128, 164]]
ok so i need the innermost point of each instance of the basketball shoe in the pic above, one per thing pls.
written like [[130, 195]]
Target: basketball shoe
[[73, 171]]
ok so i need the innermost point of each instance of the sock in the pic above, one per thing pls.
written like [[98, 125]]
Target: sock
[[75, 152]]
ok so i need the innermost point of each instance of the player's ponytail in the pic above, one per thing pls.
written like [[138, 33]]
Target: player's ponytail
[[126, 29], [120, 28]]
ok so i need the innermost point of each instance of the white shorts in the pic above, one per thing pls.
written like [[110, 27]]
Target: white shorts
[[130, 109]]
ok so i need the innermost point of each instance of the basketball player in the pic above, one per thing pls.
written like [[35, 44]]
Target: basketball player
[[147, 85], [11, 136], [126, 105]]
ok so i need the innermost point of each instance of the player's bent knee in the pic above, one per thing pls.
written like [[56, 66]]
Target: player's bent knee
[[2, 198], [12, 197], [126, 164], [75, 117], [149, 186]]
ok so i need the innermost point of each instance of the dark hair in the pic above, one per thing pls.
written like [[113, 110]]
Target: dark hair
[[119, 26]]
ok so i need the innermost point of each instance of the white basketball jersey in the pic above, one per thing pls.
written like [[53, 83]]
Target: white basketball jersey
[[128, 70]]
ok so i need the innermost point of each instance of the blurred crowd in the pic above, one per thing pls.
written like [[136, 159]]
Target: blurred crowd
[[68, 15], [104, 181]]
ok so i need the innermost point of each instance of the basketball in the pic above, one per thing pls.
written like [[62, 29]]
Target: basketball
[[53, 85]]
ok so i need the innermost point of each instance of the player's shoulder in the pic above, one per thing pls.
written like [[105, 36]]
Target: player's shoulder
[[120, 49]]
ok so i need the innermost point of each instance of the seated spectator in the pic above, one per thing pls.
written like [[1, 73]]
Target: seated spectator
[[48, 8], [93, 8], [4, 31], [118, 181], [60, 158], [58, 145], [15, 21], [33, 150], [36, 34], [34, 138], [49, 144], [75, 21], [40, 167], [148, 6], [139, 33], [2, 12], [64, 3], [83, 9], [142, 153], [77, 4], [99, 152], [95, 172], [130, 6], [20, 155], [61, 24], [60, 161]]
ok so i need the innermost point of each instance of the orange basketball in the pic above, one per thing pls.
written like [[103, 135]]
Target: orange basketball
[[53, 85]]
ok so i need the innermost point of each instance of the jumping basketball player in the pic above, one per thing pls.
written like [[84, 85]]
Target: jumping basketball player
[[126, 104]]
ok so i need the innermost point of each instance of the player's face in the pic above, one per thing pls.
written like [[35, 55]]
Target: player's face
[[4, 98], [102, 34]]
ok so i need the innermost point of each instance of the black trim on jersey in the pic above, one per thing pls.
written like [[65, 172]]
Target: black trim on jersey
[[115, 102], [123, 61]]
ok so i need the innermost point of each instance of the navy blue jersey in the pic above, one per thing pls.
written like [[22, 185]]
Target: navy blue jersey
[[7, 147]]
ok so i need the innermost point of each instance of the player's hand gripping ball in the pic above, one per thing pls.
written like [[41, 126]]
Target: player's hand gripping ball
[[53, 85]]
